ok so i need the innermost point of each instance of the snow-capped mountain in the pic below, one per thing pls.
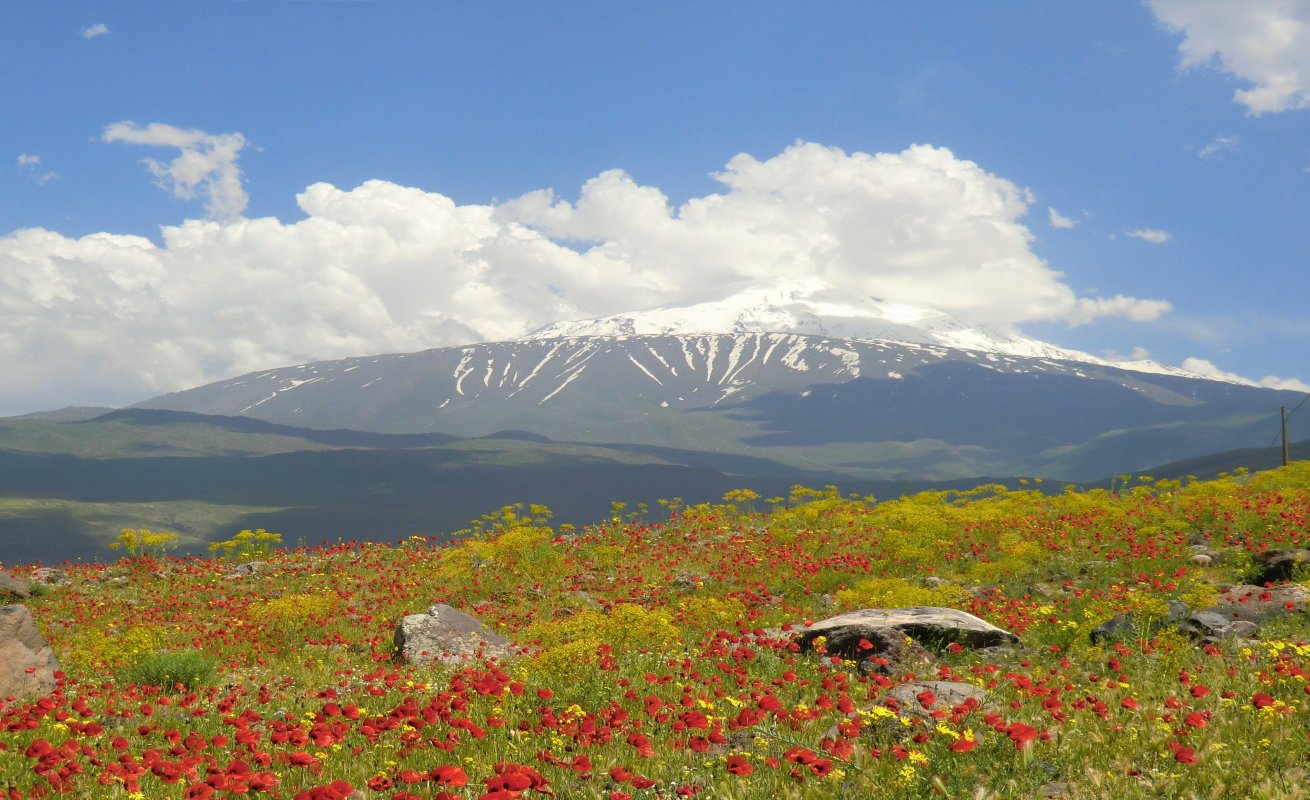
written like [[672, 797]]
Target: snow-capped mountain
[[793, 372], [811, 307]]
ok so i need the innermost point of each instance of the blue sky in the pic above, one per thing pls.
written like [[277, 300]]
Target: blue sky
[[193, 190]]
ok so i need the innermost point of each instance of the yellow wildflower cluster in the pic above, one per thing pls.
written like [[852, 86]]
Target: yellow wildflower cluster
[[142, 541], [296, 608], [897, 593], [248, 545]]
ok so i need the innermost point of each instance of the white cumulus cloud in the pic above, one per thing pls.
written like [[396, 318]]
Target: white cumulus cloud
[[1207, 368], [92, 31], [29, 160], [1263, 42], [108, 318], [1152, 235], [1058, 220], [206, 163]]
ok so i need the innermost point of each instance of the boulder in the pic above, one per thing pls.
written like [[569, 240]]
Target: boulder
[[931, 625], [1211, 625], [27, 664], [922, 698], [447, 635], [1116, 627], [1257, 604], [877, 650], [1276, 566], [13, 585]]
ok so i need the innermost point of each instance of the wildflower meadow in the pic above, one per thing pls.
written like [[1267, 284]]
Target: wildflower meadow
[[655, 656]]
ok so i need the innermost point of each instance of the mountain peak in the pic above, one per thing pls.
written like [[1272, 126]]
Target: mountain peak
[[813, 307]]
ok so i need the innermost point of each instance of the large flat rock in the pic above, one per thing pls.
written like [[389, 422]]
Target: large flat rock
[[926, 624]]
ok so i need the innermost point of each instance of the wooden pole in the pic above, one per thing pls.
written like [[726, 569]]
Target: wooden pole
[[1284, 427]]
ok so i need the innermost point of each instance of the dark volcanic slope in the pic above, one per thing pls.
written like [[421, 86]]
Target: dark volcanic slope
[[821, 403]]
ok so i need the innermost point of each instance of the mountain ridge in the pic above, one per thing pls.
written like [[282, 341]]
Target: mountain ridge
[[875, 408]]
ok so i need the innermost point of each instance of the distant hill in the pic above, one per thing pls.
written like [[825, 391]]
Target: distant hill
[[1254, 459], [871, 410], [224, 474]]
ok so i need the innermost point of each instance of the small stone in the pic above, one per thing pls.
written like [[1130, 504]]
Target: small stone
[[50, 576], [247, 569]]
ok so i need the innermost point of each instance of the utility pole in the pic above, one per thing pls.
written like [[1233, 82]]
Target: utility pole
[[1284, 410]]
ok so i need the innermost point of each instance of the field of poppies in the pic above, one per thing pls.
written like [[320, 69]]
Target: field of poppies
[[657, 656]]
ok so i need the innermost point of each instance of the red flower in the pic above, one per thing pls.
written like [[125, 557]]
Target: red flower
[[739, 765], [1021, 734], [963, 745], [1182, 753], [446, 775], [1262, 700]]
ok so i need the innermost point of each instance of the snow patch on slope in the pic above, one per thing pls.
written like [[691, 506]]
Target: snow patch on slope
[[811, 307]]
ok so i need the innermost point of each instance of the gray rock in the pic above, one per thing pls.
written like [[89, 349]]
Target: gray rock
[[448, 635], [247, 569], [50, 576], [1212, 626], [686, 582], [1209, 623], [27, 664], [1241, 629], [1257, 604], [947, 694], [1116, 627], [13, 585], [1201, 560], [1205, 625], [931, 625]]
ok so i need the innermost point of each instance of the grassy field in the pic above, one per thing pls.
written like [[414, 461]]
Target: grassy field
[[658, 658]]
